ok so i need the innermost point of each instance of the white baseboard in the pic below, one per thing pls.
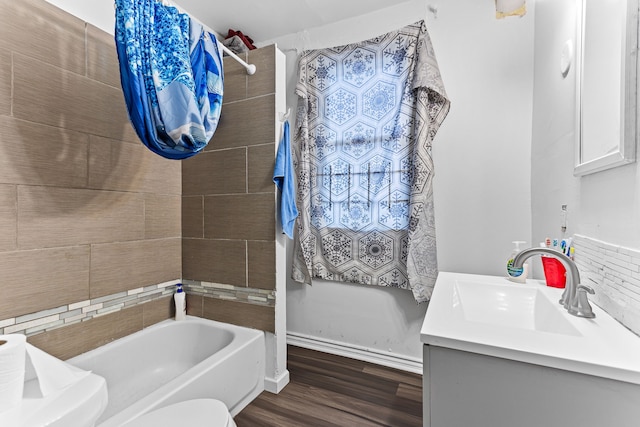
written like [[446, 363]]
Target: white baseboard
[[275, 385], [404, 363]]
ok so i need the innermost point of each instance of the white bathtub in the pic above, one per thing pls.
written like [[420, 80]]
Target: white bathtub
[[175, 361]]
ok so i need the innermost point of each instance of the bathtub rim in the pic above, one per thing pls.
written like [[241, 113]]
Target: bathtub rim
[[244, 331]]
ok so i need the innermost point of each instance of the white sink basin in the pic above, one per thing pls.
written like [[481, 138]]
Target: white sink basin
[[508, 306], [492, 316]]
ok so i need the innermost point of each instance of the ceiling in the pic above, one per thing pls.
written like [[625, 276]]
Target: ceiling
[[264, 20]]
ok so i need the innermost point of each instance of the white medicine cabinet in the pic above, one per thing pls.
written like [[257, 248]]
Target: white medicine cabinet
[[606, 79]]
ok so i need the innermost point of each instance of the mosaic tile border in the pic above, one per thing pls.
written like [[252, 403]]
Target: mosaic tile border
[[46, 320], [614, 273], [255, 296]]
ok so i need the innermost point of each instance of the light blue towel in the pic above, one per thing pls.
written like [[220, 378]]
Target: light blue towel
[[283, 177]]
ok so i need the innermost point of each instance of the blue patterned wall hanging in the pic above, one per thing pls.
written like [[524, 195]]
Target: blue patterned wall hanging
[[367, 116]]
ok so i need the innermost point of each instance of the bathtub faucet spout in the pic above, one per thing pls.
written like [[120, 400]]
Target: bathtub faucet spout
[[574, 297]]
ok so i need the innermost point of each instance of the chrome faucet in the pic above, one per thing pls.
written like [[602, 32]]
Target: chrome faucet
[[574, 298]]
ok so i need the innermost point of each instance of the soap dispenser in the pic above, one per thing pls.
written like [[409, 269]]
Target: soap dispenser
[[518, 275], [179, 298]]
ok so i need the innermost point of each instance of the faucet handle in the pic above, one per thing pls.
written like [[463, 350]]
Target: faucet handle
[[587, 289], [580, 306]]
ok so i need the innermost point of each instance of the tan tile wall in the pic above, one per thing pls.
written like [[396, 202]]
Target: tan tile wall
[[86, 210], [255, 316], [92, 223], [75, 339], [228, 204]]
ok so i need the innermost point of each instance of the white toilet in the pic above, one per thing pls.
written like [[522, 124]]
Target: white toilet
[[192, 413], [81, 404], [78, 405]]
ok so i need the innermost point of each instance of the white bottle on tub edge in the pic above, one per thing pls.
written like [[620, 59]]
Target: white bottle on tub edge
[[181, 303]]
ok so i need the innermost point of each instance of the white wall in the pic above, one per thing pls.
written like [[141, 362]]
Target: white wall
[[100, 13], [482, 159], [553, 183], [604, 205]]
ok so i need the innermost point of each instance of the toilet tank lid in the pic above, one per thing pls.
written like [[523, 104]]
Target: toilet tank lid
[[87, 396]]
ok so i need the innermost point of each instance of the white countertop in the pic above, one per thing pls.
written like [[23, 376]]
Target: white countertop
[[600, 346]]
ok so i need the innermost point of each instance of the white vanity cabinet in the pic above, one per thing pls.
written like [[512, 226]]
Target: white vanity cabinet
[[491, 358], [469, 389]]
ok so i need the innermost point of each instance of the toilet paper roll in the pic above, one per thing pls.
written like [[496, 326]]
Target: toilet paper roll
[[12, 359]]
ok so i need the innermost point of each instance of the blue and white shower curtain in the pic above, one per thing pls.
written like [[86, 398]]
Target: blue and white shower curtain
[[367, 116], [172, 77]]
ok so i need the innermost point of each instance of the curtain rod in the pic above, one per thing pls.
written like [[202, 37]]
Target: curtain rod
[[251, 68]]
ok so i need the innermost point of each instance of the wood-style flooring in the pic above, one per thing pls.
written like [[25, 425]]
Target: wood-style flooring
[[327, 390]]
